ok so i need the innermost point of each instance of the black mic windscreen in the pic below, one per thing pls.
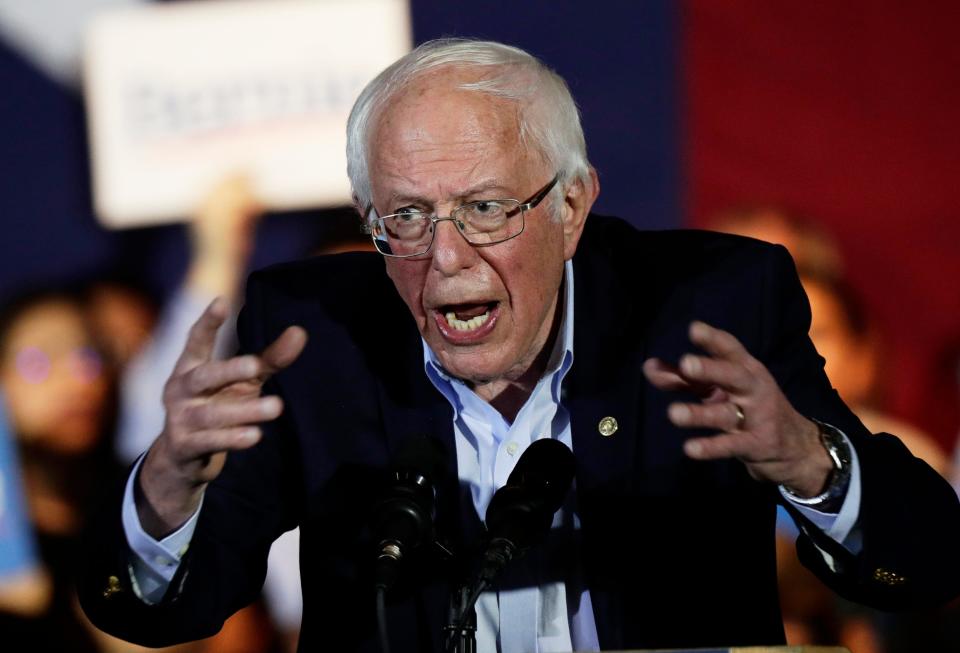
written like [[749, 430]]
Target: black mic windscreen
[[522, 510], [546, 467], [403, 516]]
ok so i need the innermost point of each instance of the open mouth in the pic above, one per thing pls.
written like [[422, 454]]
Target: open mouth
[[467, 317], [460, 321]]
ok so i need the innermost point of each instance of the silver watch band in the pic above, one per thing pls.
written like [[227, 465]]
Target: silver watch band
[[839, 480]]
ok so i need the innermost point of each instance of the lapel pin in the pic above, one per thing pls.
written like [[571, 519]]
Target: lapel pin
[[608, 426]]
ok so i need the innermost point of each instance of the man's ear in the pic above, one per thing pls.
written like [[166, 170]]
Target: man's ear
[[577, 202], [359, 208], [363, 213]]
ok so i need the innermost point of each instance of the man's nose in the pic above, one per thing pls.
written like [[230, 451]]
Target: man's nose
[[451, 251]]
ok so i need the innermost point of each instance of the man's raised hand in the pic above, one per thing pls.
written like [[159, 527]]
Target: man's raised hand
[[741, 400], [212, 407]]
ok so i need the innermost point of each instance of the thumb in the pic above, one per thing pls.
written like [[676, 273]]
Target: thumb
[[284, 350]]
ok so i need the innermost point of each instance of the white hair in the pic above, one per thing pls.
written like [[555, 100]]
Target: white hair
[[549, 120]]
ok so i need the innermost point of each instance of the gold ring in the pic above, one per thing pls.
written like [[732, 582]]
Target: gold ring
[[741, 416]]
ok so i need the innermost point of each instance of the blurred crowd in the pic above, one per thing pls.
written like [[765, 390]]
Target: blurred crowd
[[82, 370]]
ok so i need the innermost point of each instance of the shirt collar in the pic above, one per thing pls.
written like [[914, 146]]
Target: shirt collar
[[557, 366]]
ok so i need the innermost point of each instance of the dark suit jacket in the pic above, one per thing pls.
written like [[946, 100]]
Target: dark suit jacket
[[674, 552]]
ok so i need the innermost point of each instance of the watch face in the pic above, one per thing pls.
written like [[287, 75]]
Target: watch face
[[836, 445], [835, 489]]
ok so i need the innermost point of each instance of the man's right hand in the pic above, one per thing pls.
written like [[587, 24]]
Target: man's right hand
[[212, 407]]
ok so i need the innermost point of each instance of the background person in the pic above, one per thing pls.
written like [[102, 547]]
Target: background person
[[59, 394]]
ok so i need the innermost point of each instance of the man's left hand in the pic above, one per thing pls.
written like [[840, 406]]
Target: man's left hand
[[740, 399]]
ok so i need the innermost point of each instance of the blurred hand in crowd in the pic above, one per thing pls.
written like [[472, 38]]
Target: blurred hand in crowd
[[222, 233]]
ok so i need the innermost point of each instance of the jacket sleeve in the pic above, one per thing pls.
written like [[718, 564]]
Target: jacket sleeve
[[909, 518], [250, 504]]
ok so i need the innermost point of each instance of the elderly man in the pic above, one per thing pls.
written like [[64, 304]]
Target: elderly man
[[675, 365]]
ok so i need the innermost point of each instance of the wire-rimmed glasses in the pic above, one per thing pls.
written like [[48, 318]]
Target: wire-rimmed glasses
[[410, 232]]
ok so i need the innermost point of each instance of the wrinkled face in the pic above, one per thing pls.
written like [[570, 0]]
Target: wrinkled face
[[485, 311], [53, 378]]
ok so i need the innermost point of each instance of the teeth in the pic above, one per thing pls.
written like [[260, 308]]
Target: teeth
[[467, 325]]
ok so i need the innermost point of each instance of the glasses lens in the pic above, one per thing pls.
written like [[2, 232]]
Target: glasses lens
[[490, 221], [402, 234]]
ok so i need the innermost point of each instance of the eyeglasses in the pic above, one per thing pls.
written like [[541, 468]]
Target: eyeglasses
[[410, 232], [35, 365]]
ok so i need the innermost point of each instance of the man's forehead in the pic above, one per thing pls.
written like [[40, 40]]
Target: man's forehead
[[405, 189], [436, 107], [460, 133]]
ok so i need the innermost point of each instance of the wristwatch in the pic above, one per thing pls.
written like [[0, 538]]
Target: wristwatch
[[838, 481]]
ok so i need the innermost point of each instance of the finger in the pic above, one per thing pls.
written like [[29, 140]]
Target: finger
[[283, 351], [730, 376], [664, 376], [717, 342], [214, 375], [233, 438], [202, 336], [722, 417], [716, 396], [210, 415], [728, 445]]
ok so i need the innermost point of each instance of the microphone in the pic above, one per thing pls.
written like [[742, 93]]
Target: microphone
[[521, 512], [403, 516]]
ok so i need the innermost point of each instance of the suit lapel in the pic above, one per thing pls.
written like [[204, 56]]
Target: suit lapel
[[603, 393]]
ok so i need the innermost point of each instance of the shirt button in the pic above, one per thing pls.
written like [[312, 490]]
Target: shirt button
[[512, 448], [163, 562]]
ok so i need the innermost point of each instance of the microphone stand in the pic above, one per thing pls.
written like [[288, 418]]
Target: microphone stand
[[462, 628]]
